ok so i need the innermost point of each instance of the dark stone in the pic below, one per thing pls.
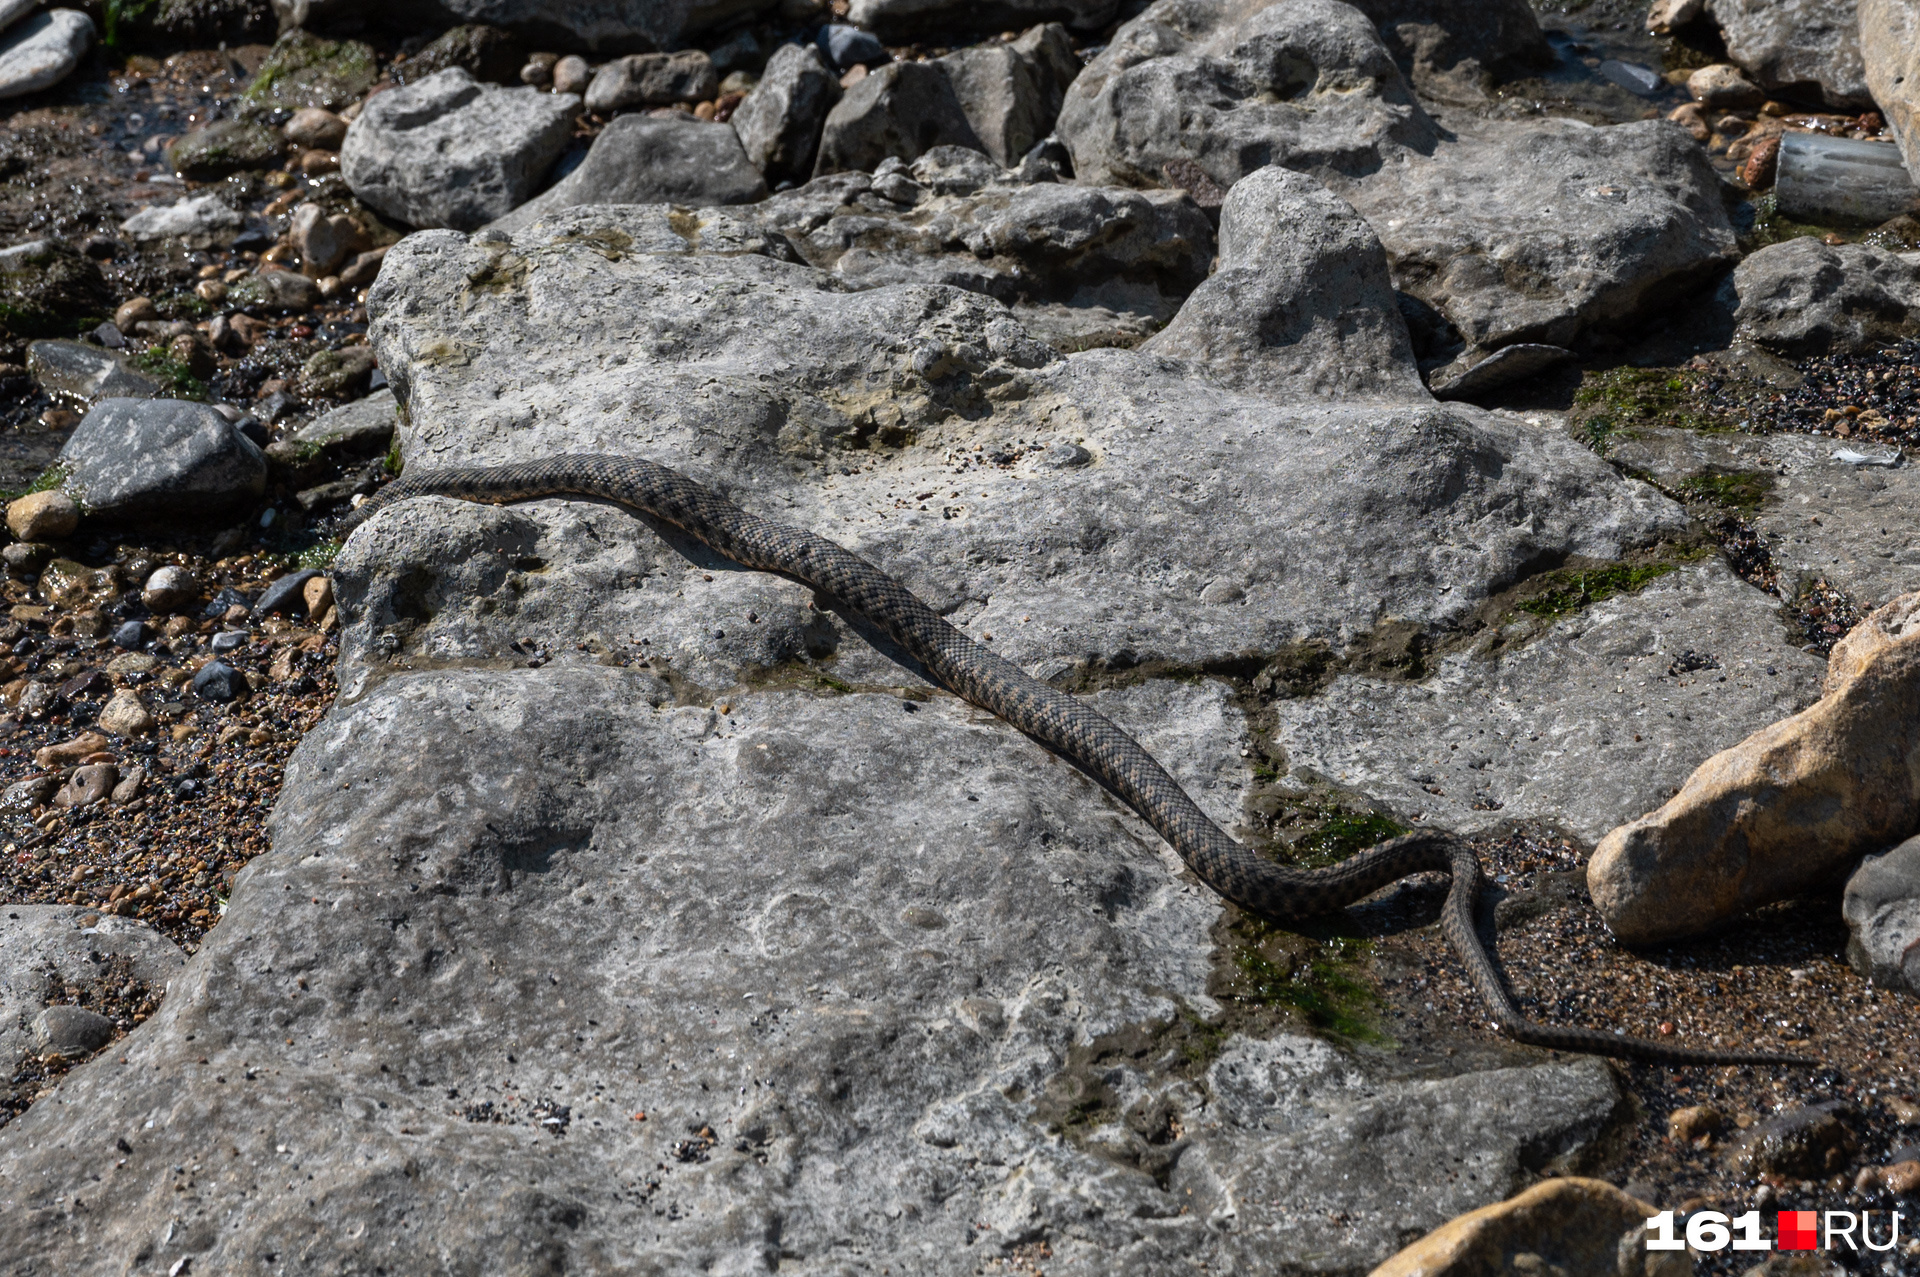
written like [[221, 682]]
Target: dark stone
[[845, 46], [338, 374], [904, 109], [220, 682], [638, 159], [46, 288], [779, 123], [305, 70], [1810, 1142], [484, 52], [276, 405], [110, 337], [71, 1032], [217, 605], [229, 641], [131, 635], [285, 594], [224, 147], [153, 458]]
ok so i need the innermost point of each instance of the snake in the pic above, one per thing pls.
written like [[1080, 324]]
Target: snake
[[1063, 723]]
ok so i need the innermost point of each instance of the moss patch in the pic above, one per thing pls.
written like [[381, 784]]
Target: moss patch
[[175, 378], [1740, 490], [1316, 981], [50, 478], [1771, 226], [304, 70], [1613, 400], [1569, 592]]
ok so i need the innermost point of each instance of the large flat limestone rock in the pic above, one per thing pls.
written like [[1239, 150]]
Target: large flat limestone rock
[[834, 950], [1585, 726]]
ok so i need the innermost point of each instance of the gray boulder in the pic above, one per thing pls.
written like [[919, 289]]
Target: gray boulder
[[1882, 909], [1011, 93], [910, 1020], [199, 220], [226, 146], [1228, 87], [902, 110], [1456, 50], [1803, 297], [1513, 233], [1301, 302], [908, 20], [1539, 232], [304, 70], [1307, 509], [44, 951], [1068, 258], [779, 123], [79, 373], [157, 458], [652, 79], [638, 159], [448, 151], [1890, 51], [43, 50], [605, 26], [1804, 48]]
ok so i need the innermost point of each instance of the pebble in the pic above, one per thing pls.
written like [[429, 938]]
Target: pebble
[[223, 602], [1902, 1179], [88, 785], [571, 74], [316, 127], [169, 589], [1808, 1142], [318, 596], [41, 51], [70, 751], [70, 1032], [229, 640], [846, 46], [1632, 77], [43, 516], [219, 682], [130, 635], [126, 715], [1723, 85], [135, 310], [1688, 1124]]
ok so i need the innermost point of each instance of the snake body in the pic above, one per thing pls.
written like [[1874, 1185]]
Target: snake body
[[1063, 723]]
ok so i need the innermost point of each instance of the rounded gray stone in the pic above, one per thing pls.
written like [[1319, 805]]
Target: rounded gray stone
[[160, 458]]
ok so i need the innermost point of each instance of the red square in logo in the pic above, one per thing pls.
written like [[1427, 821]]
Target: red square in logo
[[1799, 1230]]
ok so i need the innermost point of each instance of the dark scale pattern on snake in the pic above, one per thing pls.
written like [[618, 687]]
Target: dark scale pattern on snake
[[1060, 722]]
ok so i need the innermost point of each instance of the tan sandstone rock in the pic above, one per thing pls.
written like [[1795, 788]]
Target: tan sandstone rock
[[126, 714], [43, 516], [1787, 807], [1890, 45], [1576, 1226]]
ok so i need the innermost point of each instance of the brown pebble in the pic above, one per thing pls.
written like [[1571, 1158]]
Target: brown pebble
[[1902, 1179], [1688, 1124], [71, 751], [1761, 163]]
